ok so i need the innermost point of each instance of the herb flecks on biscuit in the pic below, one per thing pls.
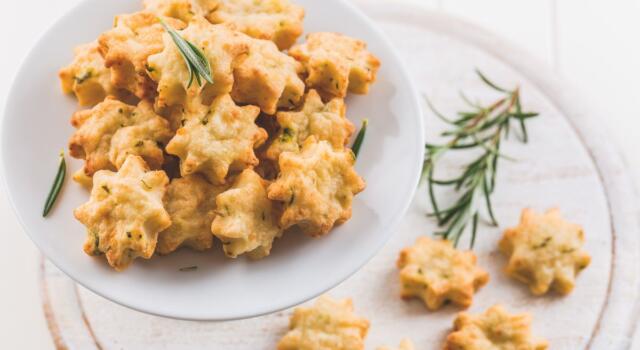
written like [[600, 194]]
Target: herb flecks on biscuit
[[316, 187], [125, 213], [491, 330], [545, 252], [436, 272], [336, 63], [247, 220], [328, 324]]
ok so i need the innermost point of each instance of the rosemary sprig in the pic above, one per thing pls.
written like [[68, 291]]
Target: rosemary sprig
[[188, 268], [481, 128], [56, 187], [197, 63], [357, 143]]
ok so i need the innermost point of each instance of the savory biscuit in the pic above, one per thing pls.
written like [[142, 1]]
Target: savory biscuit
[[324, 121], [327, 325], [220, 45], [184, 10], [190, 201], [112, 130], [436, 272], [82, 179], [316, 187], [545, 251], [277, 20], [217, 139], [492, 330], [87, 77], [246, 220], [125, 213], [127, 46], [336, 63], [267, 78], [405, 344]]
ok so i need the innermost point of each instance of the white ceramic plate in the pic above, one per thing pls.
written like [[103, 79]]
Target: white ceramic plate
[[36, 126]]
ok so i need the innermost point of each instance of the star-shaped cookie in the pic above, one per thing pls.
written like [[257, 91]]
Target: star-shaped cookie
[[495, 329], [327, 325], [436, 272], [125, 213], [316, 187], [545, 251]]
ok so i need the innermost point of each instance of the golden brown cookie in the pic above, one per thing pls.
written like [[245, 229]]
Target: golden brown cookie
[[277, 20], [88, 78], [125, 213], [247, 220], [221, 46], [324, 121], [545, 252], [327, 325], [405, 344], [336, 63], [112, 130], [436, 272], [217, 139], [184, 10], [127, 46], [190, 201], [316, 187], [494, 329], [267, 78]]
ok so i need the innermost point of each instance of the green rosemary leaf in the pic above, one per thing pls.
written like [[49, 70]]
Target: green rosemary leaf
[[188, 268], [197, 63], [489, 82], [480, 131], [56, 187], [435, 111], [360, 137]]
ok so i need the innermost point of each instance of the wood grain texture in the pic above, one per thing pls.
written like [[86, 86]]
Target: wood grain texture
[[569, 163]]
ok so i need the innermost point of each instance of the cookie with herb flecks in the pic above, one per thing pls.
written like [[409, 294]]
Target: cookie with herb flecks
[[494, 329], [246, 220], [316, 187], [88, 78], [125, 213], [545, 251], [190, 201], [217, 139], [324, 121], [184, 10], [127, 46], [336, 63], [279, 21], [112, 130], [436, 272], [329, 324]]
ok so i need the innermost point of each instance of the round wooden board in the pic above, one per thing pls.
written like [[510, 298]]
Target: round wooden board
[[569, 163]]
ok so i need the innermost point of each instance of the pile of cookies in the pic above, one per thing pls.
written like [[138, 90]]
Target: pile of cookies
[[544, 251], [261, 149]]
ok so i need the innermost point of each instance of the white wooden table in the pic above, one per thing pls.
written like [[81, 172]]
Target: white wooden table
[[592, 43]]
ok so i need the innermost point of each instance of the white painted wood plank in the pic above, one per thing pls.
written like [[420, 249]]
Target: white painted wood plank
[[598, 50], [525, 22], [22, 324]]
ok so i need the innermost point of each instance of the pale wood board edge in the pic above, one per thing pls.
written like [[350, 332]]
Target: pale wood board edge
[[619, 316]]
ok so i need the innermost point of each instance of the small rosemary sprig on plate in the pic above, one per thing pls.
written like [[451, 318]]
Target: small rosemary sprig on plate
[[197, 63], [56, 187], [482, 128], [357, 143]]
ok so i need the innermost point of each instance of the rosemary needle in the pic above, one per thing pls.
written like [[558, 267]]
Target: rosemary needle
[[482, 128], [357, 143], [56, 187], [188, 268], [196, 61]]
